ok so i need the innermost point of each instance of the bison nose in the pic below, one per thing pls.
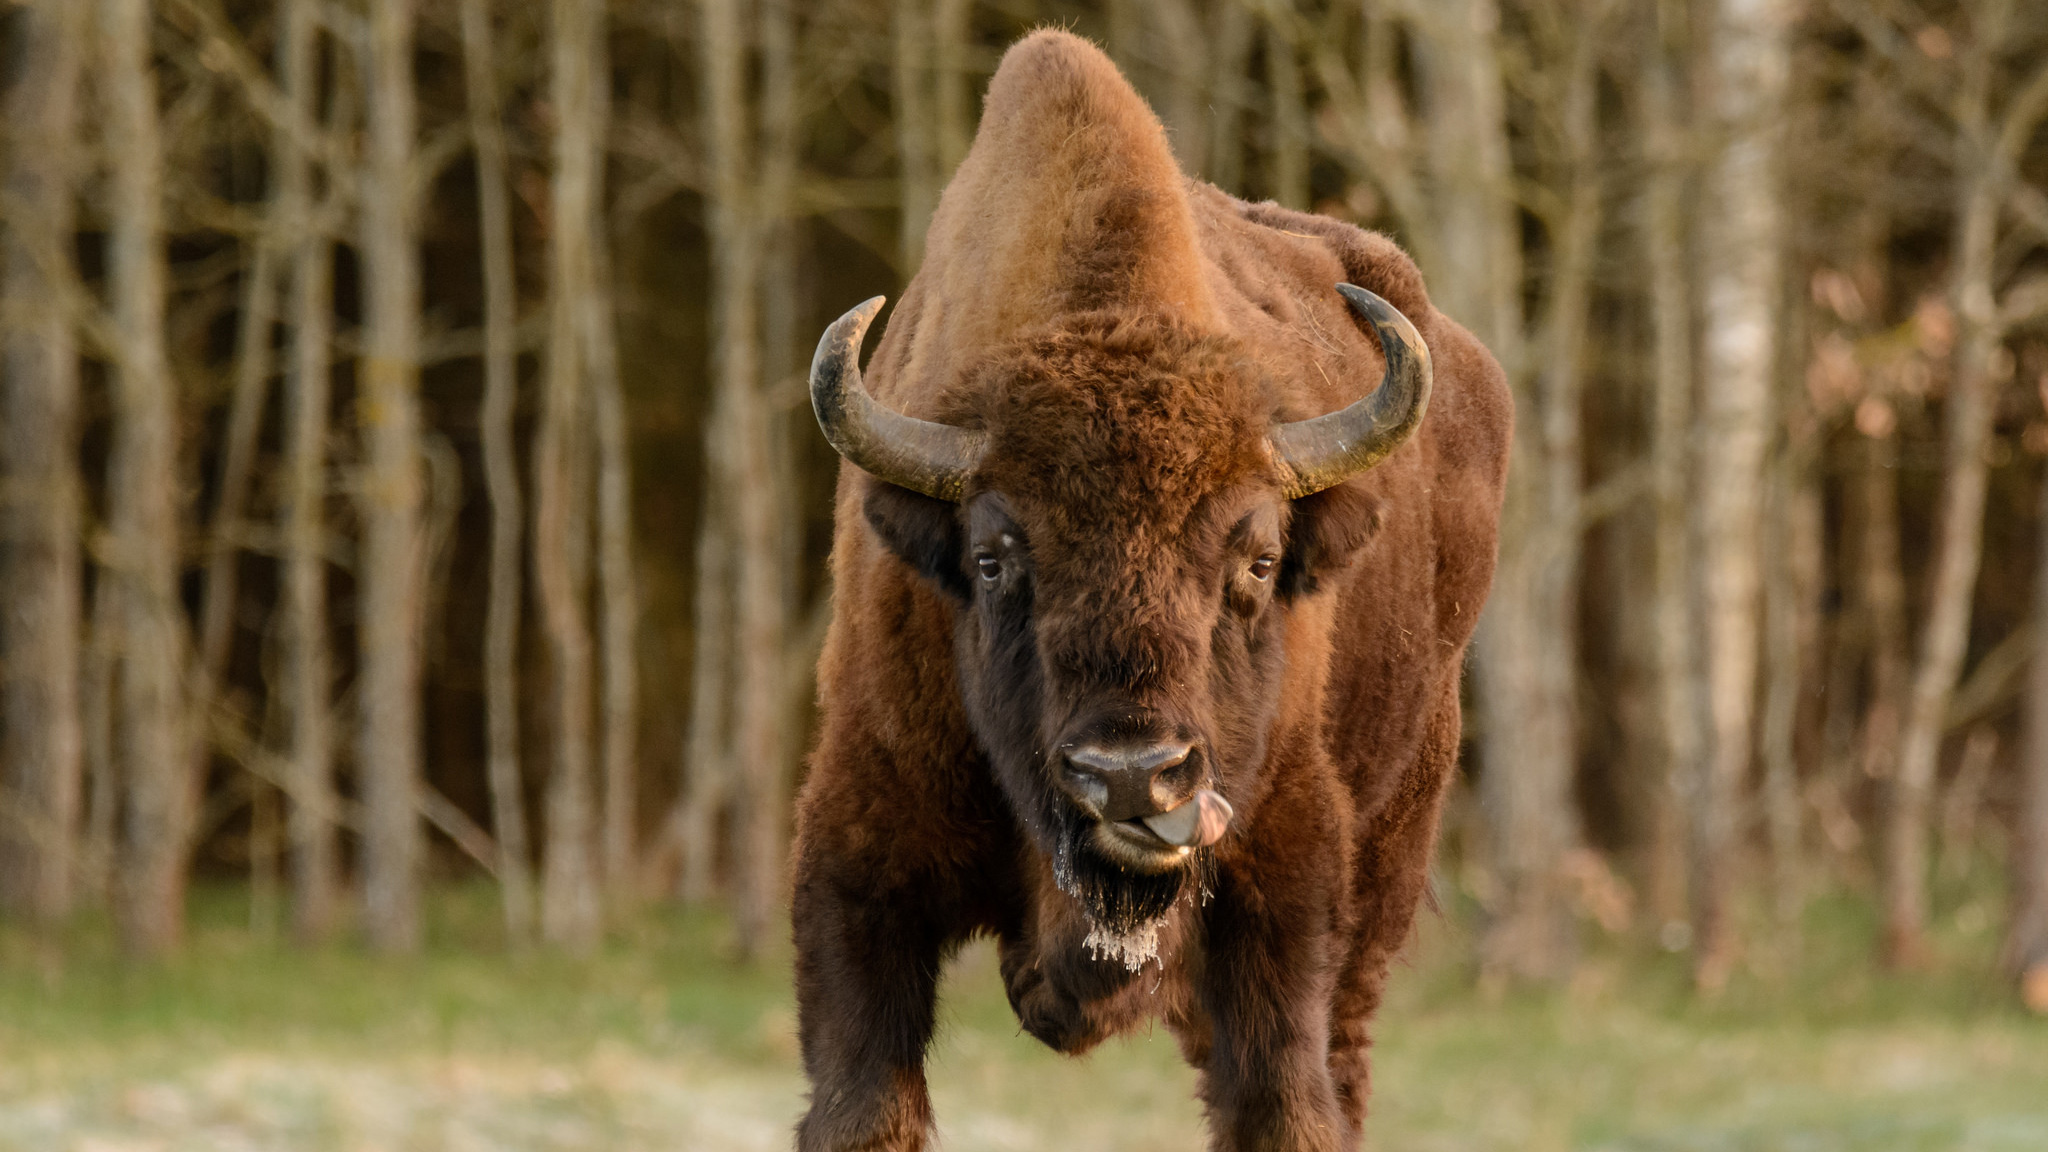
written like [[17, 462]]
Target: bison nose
[[1126, 781]]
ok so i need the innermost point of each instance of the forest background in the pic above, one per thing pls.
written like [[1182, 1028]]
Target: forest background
[[406, 474]]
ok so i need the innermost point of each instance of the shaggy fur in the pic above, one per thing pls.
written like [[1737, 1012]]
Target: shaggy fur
[[1125, 336]]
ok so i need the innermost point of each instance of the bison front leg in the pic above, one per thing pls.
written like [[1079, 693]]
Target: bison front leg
[[1265, 986], [867, 984]]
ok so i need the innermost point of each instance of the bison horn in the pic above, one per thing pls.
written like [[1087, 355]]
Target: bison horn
[[934, 459], [1328, 450]]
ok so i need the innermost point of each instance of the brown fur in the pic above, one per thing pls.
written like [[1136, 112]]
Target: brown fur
[[1125, 336]]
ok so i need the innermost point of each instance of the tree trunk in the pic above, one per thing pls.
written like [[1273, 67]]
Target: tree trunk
[[311, 820], [616, 577], [501, 475], [2026, 942], [917, 162], [221, 597], [1945, 633], [1741, 276], [1288, 168], [740, 213], [1882, 588], [570, 915], [42, 758], [1227, 91], [393, 567], [1791, 574], [707, 749], [952, 40], [142, 486], [1529, 669], [1677, 652]]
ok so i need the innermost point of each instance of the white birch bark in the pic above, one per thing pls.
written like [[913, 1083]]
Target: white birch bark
[[1741, 244]]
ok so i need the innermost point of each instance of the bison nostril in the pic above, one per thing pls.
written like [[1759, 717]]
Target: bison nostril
[[1123, 782]]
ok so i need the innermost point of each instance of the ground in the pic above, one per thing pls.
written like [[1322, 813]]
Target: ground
[[664, 1042]]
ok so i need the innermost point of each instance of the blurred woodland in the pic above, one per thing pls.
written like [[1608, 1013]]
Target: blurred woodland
[[406, 470]]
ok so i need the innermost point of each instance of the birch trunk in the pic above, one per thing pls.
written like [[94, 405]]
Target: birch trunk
[[561, 532], [307, 691], [161, 792], [501, 475], [1670, 283], [394, 556], [1741, 245], [41, 628]]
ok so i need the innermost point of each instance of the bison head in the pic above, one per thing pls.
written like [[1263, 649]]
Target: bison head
[[1123, 527]]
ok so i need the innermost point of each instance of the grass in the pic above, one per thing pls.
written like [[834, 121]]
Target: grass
[[662, 1041]]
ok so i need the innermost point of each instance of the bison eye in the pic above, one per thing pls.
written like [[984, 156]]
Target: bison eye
[[991, 568], [1262, 568]]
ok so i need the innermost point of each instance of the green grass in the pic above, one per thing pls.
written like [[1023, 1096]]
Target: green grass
[[661, 1041]]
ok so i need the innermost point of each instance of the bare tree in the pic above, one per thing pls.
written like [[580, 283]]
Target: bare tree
[[161, 792], [393, 564], [1526, 655], [1288, 166], [501, 472], [745, 138], [952, 41], [915, 118], [42, 773], [618, 583], [1205, 50], [1666, 246], [570, 914], [1989, 144], [308, 663], [1747, 73], [2026, 940]]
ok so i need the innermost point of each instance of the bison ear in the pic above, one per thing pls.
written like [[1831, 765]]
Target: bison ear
[[1325, 535], [924, 533]]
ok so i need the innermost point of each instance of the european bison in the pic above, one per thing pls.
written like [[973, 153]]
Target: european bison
[[1148, 629]]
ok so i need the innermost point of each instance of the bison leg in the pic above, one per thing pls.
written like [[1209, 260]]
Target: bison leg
[[867, 985], [1388, 881], [1266, 980]]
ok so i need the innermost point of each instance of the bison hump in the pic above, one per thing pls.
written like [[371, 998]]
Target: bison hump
[[1069, 200]]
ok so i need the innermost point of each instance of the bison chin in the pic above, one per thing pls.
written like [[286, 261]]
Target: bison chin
[[1124, 904]]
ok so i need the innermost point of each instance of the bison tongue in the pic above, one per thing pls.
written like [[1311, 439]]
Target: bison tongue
[[1197, 823]]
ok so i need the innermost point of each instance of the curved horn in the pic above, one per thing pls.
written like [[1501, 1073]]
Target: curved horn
[[934, 459], [1329, 450]]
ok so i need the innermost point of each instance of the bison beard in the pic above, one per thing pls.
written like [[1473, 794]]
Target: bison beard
[[1124, 907]]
